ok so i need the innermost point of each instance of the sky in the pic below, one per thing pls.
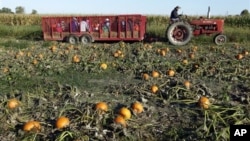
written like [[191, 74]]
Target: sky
[[147, 7]]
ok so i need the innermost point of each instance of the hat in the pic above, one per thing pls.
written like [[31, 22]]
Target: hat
[[177, 7], [74, 18], [107, 19]]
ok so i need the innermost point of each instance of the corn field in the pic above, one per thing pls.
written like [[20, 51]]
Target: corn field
[[238, 21], [19, 19]]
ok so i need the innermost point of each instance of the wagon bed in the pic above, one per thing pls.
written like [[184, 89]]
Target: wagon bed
[[96, 28]]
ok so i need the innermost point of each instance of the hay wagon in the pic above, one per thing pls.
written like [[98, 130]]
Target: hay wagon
[[87, 29]]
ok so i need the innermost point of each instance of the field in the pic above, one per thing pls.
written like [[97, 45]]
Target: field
[[48, 80]]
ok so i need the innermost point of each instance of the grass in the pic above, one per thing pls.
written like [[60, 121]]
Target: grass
[[28, 32]]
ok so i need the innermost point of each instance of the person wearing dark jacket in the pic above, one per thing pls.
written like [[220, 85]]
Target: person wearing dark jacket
[[174, 14]]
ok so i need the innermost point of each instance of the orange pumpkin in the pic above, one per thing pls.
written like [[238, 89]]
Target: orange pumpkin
[[204, 102], [163, 52], [187, 84], [179, 51], [35, 62], [53, 48], [32, 126], [185, 61], [120, 120], [145, 76], [191, 55], [155, 74], [76, 59], [62, 122], [101, 107], [5, 69], [244, 52], [154, 89], [170, 72], [13, 103], [125, 112], [239, 56], [194, 49], [116, 54], [137, 107]]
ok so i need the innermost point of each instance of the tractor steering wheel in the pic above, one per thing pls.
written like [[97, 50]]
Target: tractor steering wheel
[[183, 17]]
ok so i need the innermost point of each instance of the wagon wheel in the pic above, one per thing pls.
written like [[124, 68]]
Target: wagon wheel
[[220, 39], [85, 39], [179, 33], [72, 39]]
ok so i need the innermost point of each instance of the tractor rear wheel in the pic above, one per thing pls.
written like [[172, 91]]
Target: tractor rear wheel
[[179, 33], [220, 39]]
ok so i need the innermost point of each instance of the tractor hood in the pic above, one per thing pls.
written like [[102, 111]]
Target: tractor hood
[[202, 21]]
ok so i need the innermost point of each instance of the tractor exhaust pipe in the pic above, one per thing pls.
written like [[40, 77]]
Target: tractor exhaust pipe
[[208, 12]]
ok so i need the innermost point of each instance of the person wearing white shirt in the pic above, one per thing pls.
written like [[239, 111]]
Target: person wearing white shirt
[[84, 26]]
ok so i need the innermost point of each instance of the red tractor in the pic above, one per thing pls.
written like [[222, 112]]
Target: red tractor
[[180, 32]]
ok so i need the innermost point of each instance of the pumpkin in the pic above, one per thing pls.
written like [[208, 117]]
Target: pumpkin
[[116, 54], [101, 107], [145, 76], [103, 66], [13, 103], [239, 56], [62, 122], [32, 126], [185, 61], [19, 54], [179, 51], [204, 102], [137, 107], [187, 84], [244, 52], [35, 62], [154, 89], [40, 56], [5, 69], [53, 48], [191, 55], [155, 74], [120, 120], [163, 52], [125, 112], [119, 52], [170, 72], [194, 49], [76, 59]]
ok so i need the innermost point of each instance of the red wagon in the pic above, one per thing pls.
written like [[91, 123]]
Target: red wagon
[[88, 29]]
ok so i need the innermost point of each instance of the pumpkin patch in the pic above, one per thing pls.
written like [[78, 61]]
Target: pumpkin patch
[[122, 91]]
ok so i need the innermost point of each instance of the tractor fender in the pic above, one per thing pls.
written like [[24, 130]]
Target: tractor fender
[[179, 33]]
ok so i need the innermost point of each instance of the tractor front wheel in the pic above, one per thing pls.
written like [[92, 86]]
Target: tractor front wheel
[[179, 33], [220, 39]]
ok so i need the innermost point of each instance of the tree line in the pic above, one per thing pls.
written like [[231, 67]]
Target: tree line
[[18, 10]]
